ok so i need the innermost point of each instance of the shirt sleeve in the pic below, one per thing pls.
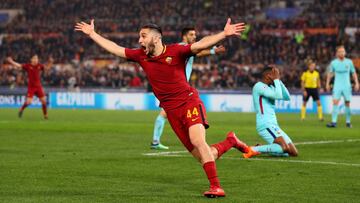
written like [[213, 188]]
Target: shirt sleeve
[[303, 76], [185, 50], [285, 92], [24, 66], [352, 67], [133, 54], [331, 67], [318, 76], [275, 93]]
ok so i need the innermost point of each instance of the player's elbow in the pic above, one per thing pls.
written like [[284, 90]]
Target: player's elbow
[[196, 49], [199, 46]]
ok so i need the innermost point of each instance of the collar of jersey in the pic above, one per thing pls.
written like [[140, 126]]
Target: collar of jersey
[[156, 57]]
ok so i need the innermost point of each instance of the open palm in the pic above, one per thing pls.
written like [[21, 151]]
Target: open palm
[[233, 29], [85, 28]]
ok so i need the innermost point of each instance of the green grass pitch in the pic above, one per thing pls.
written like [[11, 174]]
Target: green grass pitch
[[98, 156]]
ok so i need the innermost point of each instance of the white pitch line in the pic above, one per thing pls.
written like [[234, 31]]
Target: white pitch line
[[299, 143], [327, 142], [178, 154], [164, 153], [299, 161], [277, 160]]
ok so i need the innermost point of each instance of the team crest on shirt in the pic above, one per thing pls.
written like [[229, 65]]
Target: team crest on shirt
[[168, 60]]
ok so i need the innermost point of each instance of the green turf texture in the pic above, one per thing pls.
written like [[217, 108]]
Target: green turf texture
[[97, 156]]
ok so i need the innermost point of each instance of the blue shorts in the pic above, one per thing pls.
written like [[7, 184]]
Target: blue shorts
[[271, 133], [346, 92]]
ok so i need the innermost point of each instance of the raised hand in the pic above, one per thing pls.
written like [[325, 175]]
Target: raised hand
[[276, 73], [85, 28], [9, 59], [12, 62], [233, 29], [220, 49]]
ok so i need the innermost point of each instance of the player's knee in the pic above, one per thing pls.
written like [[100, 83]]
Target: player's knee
[[285, 147], [293, 153], [163, 114], [196, 154], [280, 141], [292, 150], [198, 143]]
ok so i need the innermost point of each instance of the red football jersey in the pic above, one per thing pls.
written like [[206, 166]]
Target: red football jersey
[[33, 72], [166, 74]]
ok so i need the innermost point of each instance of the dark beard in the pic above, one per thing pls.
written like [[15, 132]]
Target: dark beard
[[151, 48]]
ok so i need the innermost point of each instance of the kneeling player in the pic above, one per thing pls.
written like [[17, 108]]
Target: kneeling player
[[264, 95]]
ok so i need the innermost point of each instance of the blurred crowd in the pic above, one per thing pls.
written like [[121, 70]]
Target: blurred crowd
[[45, 27], [218, 76]]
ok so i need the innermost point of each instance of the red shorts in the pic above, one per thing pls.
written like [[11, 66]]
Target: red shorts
[[38, 91], [182, 118]]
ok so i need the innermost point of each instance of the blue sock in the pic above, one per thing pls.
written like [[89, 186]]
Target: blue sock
[[348, 114], [270, 148], [158, 128], [335, 112]]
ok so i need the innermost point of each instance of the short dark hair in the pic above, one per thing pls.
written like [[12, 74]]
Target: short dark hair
[[152, 26], [266, 69], [185, 30]]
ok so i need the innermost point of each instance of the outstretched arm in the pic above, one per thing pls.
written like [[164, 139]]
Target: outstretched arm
[[209, 41], [110, 46], [12, 62], [213, 51], [49, 63]]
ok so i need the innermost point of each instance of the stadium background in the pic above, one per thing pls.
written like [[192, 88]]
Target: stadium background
[[285, 33], [92, 155]]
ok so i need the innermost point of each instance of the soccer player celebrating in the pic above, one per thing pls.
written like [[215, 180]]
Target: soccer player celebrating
[[164, 66], [341, 68], [33, 70], [188, 35], [264, 95], [310, 84]]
